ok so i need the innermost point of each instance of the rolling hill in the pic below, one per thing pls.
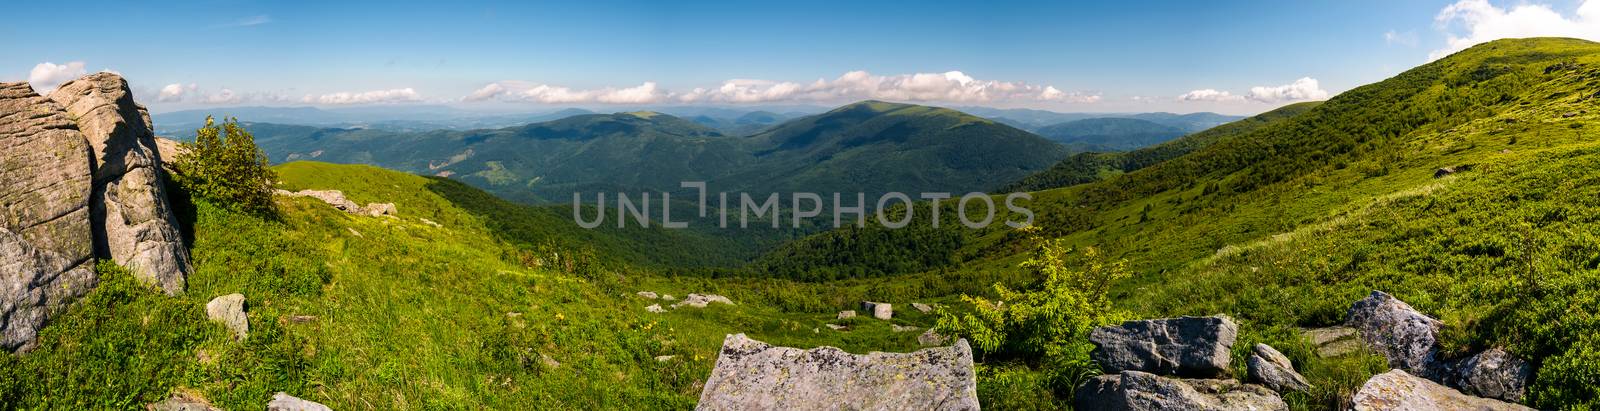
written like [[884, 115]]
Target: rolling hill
[[1108, 134]]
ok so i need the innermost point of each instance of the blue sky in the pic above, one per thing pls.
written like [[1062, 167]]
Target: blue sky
[[1181, 56]]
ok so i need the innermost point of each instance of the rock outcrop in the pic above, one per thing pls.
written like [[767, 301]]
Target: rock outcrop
[[183, 400], [46, 241], [1493, 373], [753, 375], [1269, 367], [702, 300], [1137, 391], [285, 402], [1186, 346], [1391, 327], [229, 310], [133, 221], [336, 199], [1398, 390]]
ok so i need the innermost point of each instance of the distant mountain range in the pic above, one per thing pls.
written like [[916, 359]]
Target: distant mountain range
[[1034, 120]]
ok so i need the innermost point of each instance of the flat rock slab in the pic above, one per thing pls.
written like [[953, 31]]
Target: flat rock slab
[[1267, 366], [1186, 346], [1139, 391], [1398, 390], [752, 375]]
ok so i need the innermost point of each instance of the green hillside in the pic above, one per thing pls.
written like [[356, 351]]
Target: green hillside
[[1108, 134]]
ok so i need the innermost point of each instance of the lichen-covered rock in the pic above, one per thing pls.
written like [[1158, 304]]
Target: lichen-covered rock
[[134, 223], [1333, 341], [46, 242], [1269, 367], [1186, 346], [1139, 391], [1398, 390], [751, 375], [285, 402], [229, 310], [1493, 373], [1392, 328], [882, 311], [702, 300]]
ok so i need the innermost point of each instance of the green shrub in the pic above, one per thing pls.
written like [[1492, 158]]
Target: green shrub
[[224, 165]]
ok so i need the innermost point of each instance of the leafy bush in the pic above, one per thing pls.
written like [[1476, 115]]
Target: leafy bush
[[224, 165]]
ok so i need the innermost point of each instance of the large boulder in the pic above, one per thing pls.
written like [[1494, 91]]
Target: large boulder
[[134, 223], [1391, 327], [754, 375], [1493, 373], [1138, 391], [1398, 390], [1186, 346], [229, 310], [46, 242], [1271, 368]]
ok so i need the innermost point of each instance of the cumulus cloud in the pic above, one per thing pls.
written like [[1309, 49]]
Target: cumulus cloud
[[1305, 88], [1209, 95], [1471, 22], [399, 95], [1406, 38], [953, 86], [46, 76], [175, 92], [179, 93]]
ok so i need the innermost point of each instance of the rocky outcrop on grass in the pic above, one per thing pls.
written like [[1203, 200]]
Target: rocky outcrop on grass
[[1271, 368], [752, 375], [1187, 346], [336, 199], [1410, 341], [1398, 390], [285, 402], [1134, 390], [1179, 364], [46, 242], [133, 221], [229, 310]]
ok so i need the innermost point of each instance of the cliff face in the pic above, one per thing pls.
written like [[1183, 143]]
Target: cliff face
[[80, 179]]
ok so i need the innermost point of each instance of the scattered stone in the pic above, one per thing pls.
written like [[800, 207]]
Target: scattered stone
[[336, 199], [183, 400], [847, 314], [903, 328], [882, 311], [754, 375], [229, 310], [1493, 373], [665, 358], [1269, 367], [668, 297], [285, 402], [648, 294], [1186, 346], [702, 300], [1138, 391], [930, 338], [1333, 341], [655, 308], [379, 209], [1392, 328], [132, 220], [1398, 390], [924, 308], [836, 327], [46, 241]]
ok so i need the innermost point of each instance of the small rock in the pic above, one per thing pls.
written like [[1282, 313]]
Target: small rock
[[903, 328], [1493, 373], [1269, 367], [924, 308], [665, 358], [183, 400], [702, 300], [1398, 390], [1443, 171], [1569, 114], [302, 319], [1392, 328], [286, 402], [379, 209], [549, 361], [668, 297], [930, 338], [753, 375], [1139, 391], [229, 310], [655, 308], [1186, 346], [882, 311], [648, 294], [847, 314], [836, 327]]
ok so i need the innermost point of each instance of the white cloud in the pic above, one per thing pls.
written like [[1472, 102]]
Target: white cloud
[[175, 92], [1480, 22], [1407, 38], [953, 86], [1305, 88], [399, 95], [1209, 95], [512, 90], [46, 76], [224, 96]]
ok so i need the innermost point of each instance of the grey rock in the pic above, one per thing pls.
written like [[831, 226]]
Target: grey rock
[[751, 375], [648, 294], [1269, 367], [655, 308], [337, 199], [847, 314], [836, 327], [1392, 328], [665, 358], [1398, 390], [882, 311], [380, 209], [902, 328], [1138, 391], [930, 338], [924, 308], [169, 150], [1493, 373], [702, 300], [285, 402], [183, 401], [1333, 341], [229, 310], [46, 241], [133, 221], [1186, 346]]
